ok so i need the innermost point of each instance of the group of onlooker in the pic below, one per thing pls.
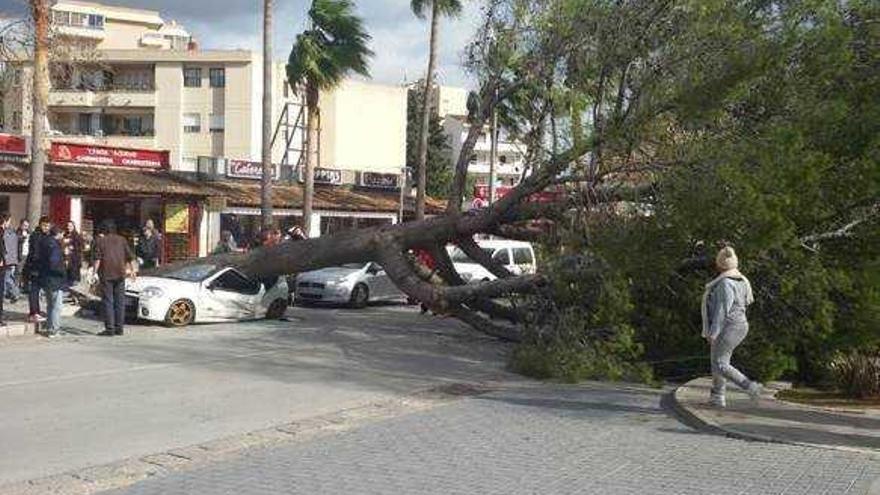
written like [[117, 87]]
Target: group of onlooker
[[49, 260], [268, 237]]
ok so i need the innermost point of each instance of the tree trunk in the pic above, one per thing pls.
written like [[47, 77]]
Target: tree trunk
[[268, 169], [40, 11], [312, 136], [426, 117]]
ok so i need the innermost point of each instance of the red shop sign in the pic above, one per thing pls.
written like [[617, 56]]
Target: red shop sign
[[12, 144], [104, 155], [547, 196]]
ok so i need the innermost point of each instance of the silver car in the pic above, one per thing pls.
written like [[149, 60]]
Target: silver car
[[355, 284]]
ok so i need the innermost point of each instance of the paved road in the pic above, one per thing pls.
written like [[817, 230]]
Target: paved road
[[83, 400], [529, 439]]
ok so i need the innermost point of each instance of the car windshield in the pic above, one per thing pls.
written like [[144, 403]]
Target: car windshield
[[458, 256], [192, 273]]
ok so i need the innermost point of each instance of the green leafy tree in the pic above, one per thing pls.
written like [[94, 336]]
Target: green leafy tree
[[449, 8], [332, 48], [439, 165]]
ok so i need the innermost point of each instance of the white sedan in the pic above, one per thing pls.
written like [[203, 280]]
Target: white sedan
[[355, 284], [205, 293]]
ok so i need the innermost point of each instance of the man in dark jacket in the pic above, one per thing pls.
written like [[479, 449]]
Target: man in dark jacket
[[32, 270], [113, 261], [9, 239], [148, 249], [52, 278]]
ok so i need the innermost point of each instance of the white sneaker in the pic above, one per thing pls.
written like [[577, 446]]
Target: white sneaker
[[755, 390]]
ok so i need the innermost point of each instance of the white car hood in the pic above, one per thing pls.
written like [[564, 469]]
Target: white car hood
[[167, 284], [327, 274]]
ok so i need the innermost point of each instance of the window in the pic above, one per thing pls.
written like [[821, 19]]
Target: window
[[502, 256], [85, 124], [217, 77], [522, 256], [233, 281], [189, 164], [96, 21], [4, 205], [61, 18], [16, 120], [192, 77], [192, 122], [78, 20], [217, 122], [286, 89], [133, 126]]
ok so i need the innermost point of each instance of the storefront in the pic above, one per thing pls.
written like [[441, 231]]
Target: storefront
[[89, 184]]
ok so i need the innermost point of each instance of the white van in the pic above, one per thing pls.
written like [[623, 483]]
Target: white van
[[517, 256]]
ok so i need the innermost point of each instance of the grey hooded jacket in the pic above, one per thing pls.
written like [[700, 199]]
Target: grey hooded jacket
[[727, 304], [9, 249]]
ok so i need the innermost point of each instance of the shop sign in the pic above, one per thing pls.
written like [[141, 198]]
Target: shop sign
[[379, 181], [12, 144], [176, 218], [104, 155], [330, 176], [243, 169]]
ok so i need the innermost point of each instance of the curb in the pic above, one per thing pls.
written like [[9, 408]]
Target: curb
[[127, 472], [704, 423]]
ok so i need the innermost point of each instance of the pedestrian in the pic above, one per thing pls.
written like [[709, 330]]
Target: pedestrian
[[114, 261], [73, 254], [149, 224], [148, 249], [32, 269], [295, 233], [52, 278], [725, 325], [10, 249], [226, 244], [424, 257]]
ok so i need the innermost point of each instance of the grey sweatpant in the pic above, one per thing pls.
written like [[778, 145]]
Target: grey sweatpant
[[732, 334]]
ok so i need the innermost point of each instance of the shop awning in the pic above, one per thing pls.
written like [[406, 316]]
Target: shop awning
[[329, 198], [98, 180]]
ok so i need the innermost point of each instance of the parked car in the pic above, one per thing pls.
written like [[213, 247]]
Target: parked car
[[205, 293], [354, 284], [517, 256]]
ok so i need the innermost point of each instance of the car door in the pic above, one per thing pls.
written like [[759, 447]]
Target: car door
[[524, 260], [502, 255], [229, 295]]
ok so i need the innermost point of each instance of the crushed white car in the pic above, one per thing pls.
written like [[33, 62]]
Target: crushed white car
[[205, 293]]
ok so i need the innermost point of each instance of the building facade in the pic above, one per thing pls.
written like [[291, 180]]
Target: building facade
[[139, 83]]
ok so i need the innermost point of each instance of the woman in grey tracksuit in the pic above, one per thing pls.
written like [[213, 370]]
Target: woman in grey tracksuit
[[725, 325]]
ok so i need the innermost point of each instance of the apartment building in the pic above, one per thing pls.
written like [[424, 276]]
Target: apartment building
[[451, 106], [136, 83]]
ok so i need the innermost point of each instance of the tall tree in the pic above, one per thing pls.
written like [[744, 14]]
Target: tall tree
[[334, 46], [448, 8], [40, 12], [266, 179], [439, 164]]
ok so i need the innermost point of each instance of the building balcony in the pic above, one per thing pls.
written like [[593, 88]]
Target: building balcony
[[92, 33], [115, 141], [117, 96]]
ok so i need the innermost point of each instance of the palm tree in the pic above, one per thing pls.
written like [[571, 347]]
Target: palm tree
[[266, 179], [334, 46], [449, 8]]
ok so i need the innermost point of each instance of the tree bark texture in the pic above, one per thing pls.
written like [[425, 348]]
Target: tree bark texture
[[313, 116], [40, 12], [426, 116], [266, 219]]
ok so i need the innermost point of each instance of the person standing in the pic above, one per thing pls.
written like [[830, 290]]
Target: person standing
[[148, 249], [149, 224], [725, 325], [32, 268], [9, 238], [5, 257], [113, 258], [52, 278], [73, 254], [226, 244]]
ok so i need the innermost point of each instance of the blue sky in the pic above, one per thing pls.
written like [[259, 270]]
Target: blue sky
[[399, 38]]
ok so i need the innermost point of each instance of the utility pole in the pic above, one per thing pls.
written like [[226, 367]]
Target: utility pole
[[402, 187], [40, 11], [266, 219]]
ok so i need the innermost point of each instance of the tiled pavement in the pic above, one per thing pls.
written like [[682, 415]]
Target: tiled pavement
[[594, 439]]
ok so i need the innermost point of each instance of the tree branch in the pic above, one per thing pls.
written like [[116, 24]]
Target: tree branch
[[476, 253]]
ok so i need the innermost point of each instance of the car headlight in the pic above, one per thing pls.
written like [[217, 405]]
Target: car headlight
[[151, 292]]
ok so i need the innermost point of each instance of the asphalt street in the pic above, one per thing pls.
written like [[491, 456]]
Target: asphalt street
[[83, 400]]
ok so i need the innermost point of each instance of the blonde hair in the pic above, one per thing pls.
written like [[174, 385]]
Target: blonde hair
[[726, 259]]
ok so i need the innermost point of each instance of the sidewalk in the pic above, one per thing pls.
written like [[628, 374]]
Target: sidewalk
[[771, 420]]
